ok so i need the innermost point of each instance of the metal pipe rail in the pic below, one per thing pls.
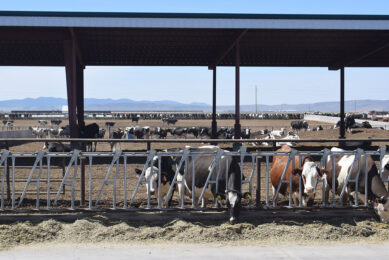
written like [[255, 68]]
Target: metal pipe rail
[[9, 140], [119, 160]]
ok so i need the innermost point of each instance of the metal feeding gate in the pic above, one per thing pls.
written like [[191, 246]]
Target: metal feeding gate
[[117, 176]]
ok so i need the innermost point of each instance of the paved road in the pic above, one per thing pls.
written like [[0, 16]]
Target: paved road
[[186, 252]]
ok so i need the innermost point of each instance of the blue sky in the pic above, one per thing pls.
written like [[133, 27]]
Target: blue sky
[[193, 84]]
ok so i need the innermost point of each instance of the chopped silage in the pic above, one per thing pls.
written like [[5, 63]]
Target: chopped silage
[[100, 229]]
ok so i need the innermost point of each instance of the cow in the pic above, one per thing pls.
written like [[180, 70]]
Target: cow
[[169, 121], [57, 147], [179, 131], [375, 187], [290, 136], [194, 131], [317, 128], [309, 173], [117, 134], [245, 133], [55, 121], [168, 169], [202, 166], [90, 131], [298, 125], [160, 132], [135, 118], [278, 132]]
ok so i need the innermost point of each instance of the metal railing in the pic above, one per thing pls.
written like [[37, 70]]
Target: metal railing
[[42, 174]]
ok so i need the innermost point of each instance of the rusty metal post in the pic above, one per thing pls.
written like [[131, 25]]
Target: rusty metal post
[[237, 90], [71, 82], [258, 190], [214, 123], [80, 95], [82, 166], [342, 129]]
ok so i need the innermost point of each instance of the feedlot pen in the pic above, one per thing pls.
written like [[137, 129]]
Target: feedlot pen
[[99, 181]]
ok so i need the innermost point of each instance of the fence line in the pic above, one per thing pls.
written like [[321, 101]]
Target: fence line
[[119, 160]]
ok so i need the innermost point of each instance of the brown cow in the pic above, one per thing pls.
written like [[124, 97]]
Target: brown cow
[[309, 173]]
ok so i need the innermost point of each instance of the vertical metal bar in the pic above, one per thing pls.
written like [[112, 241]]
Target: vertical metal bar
[[73, 180], [300, 184], [267, 180], [82, 177], [193, 182], [183, 183], [8, 182], [125, 182], [114, 183], [357, 181], [13, 182], [366, 178], [333, 180], [159, 182], [90, 182], [149, 183], [48, 158], [342, 123], [214, 123], [237, 90], [290, 183], [258, 190], [38, 184], [2, 182]]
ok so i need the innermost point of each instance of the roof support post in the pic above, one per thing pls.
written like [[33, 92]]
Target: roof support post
[[342, 123], [214, 123], [237, 90], [75, 88]]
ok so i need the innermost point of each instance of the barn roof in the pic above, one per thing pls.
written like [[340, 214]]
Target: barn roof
[[177, 39]]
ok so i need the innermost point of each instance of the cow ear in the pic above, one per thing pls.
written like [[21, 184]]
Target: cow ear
[[138, 172], [297, 171], [322, 172]]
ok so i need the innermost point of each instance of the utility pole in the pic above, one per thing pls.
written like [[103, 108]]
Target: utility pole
[[355, 105]]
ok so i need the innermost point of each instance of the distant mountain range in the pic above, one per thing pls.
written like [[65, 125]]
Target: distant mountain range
[[49, 103]]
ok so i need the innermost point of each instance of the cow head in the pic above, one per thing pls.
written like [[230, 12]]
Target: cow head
[[310, 174], [151, 176], [382, 209]]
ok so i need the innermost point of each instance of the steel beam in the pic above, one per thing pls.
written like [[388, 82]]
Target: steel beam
[[214, 123], [342, 123], [237, 90], [75, 87], [360, 56], [33, 34], [70, 67], [223, 54]]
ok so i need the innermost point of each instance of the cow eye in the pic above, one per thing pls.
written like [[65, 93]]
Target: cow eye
[[387, 166]]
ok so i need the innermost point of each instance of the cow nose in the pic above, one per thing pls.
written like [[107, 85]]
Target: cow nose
[[309, 190], [152, 192]]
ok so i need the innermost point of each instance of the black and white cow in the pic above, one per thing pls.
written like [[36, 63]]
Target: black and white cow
[[375, 187], [195, 131], [298, 125], [202, 166], [160, 132], [168, 168], [169, 121]]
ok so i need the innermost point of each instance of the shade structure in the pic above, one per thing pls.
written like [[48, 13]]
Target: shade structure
[[158, 39], [79, 39]]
